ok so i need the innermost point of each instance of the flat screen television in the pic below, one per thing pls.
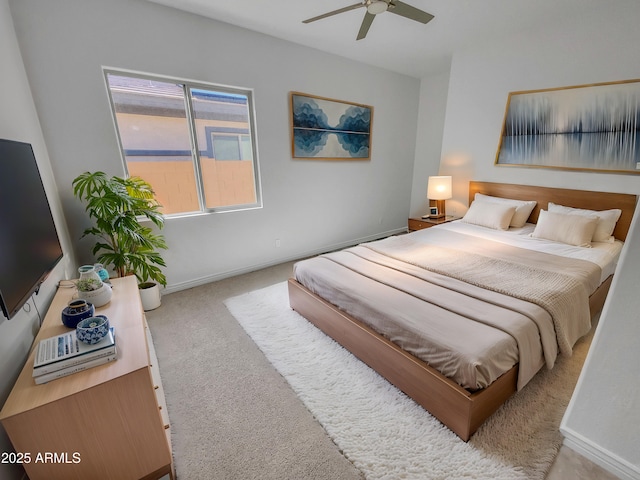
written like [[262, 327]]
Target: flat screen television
[[29, 244]]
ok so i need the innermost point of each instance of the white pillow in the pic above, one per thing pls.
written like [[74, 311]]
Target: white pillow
[[571, 229], [523, 207], [607, 220], [490, 215]]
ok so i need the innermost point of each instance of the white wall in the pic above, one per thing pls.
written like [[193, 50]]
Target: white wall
[[19, 121], [603, 417], [309, 205], [594, 46], [433, 106]]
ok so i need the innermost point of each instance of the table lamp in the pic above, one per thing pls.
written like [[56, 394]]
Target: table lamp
[[439, 190]]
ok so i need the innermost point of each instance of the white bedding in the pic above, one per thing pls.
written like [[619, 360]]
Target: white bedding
[[605, 255]]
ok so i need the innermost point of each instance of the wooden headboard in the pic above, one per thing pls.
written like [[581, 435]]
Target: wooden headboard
[[562, 196]]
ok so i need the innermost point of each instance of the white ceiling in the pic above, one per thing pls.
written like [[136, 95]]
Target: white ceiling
[[393, 42]]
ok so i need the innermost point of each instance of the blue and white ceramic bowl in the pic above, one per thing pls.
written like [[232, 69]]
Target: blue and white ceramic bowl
[[93, 329], [76, 311]]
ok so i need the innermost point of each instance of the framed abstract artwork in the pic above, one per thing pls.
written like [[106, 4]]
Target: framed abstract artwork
[[323, 128], [588, 128]]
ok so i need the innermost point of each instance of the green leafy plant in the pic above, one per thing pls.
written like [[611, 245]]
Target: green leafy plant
[[119, 206], [88, 284]]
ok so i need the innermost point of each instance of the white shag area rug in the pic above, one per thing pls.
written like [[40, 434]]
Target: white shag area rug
[[383, 432]]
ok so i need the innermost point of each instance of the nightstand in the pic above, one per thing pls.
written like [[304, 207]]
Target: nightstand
[[420, 223]]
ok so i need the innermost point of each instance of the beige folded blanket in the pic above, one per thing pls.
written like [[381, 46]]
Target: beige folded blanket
[[559, 285]]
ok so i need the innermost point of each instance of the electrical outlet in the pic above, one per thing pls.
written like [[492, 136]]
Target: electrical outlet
[[277, 243]]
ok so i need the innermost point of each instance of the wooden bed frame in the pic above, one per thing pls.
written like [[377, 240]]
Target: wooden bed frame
[[460, 410]]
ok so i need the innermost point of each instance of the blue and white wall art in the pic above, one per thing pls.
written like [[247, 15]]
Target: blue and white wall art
[[589, 128], [322, 128]]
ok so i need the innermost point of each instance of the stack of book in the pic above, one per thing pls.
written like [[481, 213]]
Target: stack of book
[[64, 354]]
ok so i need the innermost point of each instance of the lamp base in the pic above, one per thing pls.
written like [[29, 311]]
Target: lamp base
[[436, 209]]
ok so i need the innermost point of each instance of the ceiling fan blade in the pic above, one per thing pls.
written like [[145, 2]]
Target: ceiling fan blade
[[335, 12], [413, 13], [366, 23]]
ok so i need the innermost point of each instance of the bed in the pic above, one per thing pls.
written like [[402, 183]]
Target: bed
[[421, 311]]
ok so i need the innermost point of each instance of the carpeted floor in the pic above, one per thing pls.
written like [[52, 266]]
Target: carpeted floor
[[384, 433], [234, 416]]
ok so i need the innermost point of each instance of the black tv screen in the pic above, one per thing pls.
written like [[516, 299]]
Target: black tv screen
[[29, 244]]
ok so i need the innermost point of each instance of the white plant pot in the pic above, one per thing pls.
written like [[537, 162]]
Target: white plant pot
[[150, 297], [98, 297]]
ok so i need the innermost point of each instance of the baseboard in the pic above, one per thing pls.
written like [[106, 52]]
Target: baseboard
[[600, 456], [176, 287]]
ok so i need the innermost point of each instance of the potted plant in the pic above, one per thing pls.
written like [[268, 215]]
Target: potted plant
[[91, 288], [120, 207], [88, 285]]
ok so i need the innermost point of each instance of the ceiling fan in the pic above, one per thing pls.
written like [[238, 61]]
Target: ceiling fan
[[374, 7]]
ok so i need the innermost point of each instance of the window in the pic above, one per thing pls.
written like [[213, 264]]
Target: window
[[194, 143]]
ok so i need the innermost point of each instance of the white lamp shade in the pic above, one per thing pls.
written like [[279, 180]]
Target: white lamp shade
[[439, 188]]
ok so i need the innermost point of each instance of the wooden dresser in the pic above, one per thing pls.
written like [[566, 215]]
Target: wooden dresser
[[102, 423]]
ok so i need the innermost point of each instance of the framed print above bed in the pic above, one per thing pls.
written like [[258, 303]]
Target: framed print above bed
[[322, 128], [587, 127]]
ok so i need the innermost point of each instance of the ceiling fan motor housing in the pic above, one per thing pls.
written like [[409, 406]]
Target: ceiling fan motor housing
[[377, 6]]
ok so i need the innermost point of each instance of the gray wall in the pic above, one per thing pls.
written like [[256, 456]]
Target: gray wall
[[309, 206]]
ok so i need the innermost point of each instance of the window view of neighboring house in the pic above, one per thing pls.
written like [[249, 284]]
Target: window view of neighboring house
[[193, 143]]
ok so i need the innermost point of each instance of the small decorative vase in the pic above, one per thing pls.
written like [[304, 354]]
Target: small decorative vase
[[88, 273], [76, 311], [101, 271], [93, 329], [78, 306]]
